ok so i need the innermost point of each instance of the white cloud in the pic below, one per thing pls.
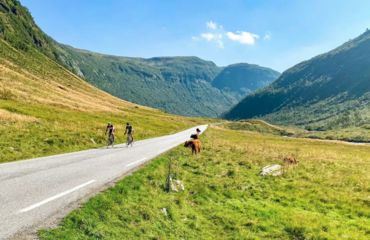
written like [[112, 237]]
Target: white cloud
[[208, 36], [211, 37], [215, 34], [211, 25], [246, 38]]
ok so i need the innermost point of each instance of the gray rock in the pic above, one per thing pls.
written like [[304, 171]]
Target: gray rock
[[164, 211], [176, 185], [272, 170]]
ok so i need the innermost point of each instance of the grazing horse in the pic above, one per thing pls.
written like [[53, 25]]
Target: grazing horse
[[194, 144], [290, 160]]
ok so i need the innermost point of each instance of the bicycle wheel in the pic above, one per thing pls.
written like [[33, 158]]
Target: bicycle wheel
[[129, 140], [110, 140]]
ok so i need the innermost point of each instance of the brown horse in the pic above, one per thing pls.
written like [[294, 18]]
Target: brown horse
[[195, 145], [290, 160]]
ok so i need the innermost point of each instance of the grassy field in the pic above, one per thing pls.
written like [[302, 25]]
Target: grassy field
[[31, 130], [260, 126], [326, 196], [45, 109], [350, 134]]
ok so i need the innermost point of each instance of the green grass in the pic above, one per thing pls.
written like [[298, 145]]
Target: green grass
[[350, 134], [324, 197], [45, 109], [40, 130], [259, 126]]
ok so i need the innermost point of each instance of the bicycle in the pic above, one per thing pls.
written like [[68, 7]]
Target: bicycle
[[110, 140], [130, 140]]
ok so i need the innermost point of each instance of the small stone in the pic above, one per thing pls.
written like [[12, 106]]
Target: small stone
[[176, 185], [164, 211]]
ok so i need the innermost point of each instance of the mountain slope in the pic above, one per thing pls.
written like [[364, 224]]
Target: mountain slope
[[18, 29], [330, 90], [246, 78], [181, 85], [46, 109], [178, 85]]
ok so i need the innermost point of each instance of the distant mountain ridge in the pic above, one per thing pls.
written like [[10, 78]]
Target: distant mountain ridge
[[241, 75], [332, 89], [180, 85]]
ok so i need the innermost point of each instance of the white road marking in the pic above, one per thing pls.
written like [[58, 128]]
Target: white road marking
[[133, 163], [55, 197]]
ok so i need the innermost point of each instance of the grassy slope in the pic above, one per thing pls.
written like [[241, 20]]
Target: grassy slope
[[328, 92], [259, 126], [350, 134], [168, 83], [171, 84], [45, 109], [324, 197]]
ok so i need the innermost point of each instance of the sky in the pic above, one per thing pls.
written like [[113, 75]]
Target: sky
[[270, 33]]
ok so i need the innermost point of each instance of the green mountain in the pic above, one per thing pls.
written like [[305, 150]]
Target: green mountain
[[246, 78], [180, 85], [327, 91], [19, 30]]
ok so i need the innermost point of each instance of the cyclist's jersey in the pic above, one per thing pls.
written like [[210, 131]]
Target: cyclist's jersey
[[110, 130], [129, 129]]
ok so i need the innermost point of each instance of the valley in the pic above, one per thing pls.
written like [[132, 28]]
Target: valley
[[57, 99], [327, 92], [171, 84]]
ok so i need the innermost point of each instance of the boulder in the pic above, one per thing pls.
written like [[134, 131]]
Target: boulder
[[272, 170]]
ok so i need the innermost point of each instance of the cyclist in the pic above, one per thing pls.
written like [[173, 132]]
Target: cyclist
[[110, 130], [129, 131]]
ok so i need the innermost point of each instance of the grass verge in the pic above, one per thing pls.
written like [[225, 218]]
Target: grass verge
[[32, 130], [325, 197]]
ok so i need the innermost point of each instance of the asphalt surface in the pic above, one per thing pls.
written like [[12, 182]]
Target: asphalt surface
[[38, 190]]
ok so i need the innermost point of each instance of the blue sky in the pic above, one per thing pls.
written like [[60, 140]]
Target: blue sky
[[272, 33]]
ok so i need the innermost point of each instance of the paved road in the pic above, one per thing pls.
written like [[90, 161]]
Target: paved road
[[43, 189]]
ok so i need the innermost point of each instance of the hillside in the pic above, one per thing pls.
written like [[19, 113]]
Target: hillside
[[172, 84], [46, 109], [246, 78], [180, 85], [329, 91]]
